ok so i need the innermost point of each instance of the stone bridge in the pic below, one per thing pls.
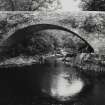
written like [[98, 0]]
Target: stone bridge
[[21, 22]]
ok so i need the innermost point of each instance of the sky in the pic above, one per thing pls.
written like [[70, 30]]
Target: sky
[[70, 5]]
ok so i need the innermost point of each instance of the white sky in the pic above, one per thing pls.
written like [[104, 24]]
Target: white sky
[[70, 5]]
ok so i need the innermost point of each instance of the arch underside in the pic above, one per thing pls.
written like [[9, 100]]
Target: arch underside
[[20, 34]]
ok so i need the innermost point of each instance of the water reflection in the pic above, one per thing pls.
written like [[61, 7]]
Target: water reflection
[[51, 83], [62, 83]]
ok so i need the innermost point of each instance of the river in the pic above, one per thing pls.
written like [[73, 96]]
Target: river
[[51, 83]]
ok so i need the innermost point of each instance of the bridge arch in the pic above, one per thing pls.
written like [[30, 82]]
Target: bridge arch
[[20, 34]]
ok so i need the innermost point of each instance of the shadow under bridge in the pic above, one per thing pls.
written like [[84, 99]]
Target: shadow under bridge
[[20, 35]]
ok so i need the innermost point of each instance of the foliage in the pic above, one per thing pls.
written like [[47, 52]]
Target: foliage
[[28, 5], [40, 43], [93, 5], [6, 5], [69, 43]]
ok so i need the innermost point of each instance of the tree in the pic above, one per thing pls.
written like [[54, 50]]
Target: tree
[[45, 4], [69, 43], [93, 5], [6, 5], [28, 5], [39, 45]]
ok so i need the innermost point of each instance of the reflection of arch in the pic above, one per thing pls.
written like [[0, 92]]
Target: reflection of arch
[[20, 35]]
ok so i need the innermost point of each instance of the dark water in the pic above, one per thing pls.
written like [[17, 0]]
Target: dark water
[[53, 83]]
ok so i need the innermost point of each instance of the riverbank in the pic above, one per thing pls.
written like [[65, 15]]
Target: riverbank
[[93, 63], [23, 60]]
